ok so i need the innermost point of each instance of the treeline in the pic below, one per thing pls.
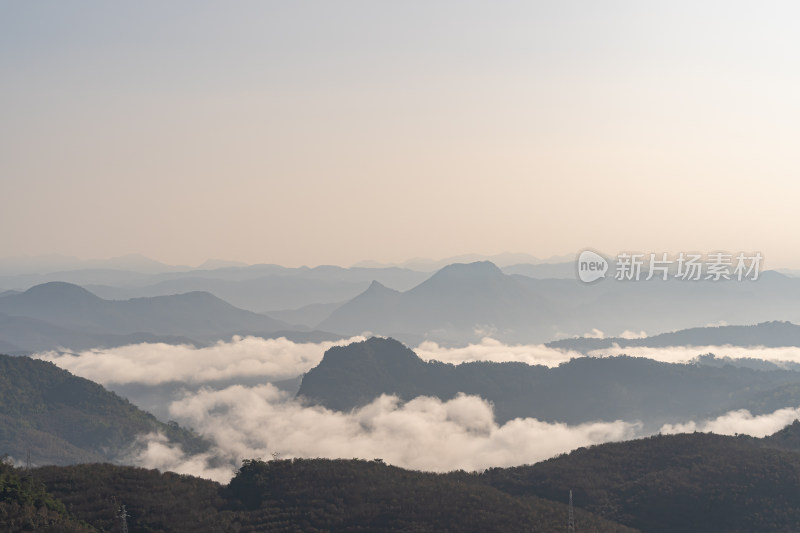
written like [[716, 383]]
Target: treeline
[[25, 505], [303, 495], [676, 483], [58, 418]]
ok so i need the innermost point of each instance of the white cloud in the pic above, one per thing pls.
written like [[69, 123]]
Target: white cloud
[[628, 334], [153, 364], [489, 349], [595, 334], [425, 433], [245, 421], [740, 421], [684, 354]]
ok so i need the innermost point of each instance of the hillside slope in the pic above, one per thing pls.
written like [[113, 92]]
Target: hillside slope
[[59, 418]]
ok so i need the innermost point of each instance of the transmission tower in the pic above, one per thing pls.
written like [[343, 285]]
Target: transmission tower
[[571, 524], [123, 516]]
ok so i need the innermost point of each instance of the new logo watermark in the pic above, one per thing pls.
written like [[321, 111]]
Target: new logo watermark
[[591, 266], [684, 266]]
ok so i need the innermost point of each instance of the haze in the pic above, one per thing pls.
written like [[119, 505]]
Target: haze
[[319, 132]]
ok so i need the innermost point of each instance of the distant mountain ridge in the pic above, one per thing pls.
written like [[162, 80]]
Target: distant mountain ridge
[[450, 305], [194, 313], [62, 314], [772, 334], [582, 390], [462, 303]]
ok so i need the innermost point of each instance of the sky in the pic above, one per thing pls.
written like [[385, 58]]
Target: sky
[[334, 132]]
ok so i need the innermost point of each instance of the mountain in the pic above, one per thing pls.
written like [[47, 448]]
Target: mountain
[[772, 334], [310, 495], [194, 315], [265, 288], [257, 288], [462, 303], [59, 418], [581, 390], [677, 483], [503, 260], [451, 305], [54, 263]]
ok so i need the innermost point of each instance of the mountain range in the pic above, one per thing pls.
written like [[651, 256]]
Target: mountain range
[[774, 334], [60, 314], [582, 390], [462, 303]]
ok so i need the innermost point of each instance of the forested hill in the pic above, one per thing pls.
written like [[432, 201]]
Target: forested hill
[[58, 418], [581, 390], [308, 495], [677, 483]]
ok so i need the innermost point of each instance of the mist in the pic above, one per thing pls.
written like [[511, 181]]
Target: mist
[[155, 364], [229, 393], [739, 422], [422, 434]]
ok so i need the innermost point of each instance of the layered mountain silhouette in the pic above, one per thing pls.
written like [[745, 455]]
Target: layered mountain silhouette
[[459, 301], [257, 288], [61, 314], [459, 304], [582, 390], [463, 302]]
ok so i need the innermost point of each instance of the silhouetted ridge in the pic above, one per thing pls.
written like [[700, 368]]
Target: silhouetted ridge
[[770, 334], [361, 372], [57, 291], [582, 390], [376, 287], [466, 271]]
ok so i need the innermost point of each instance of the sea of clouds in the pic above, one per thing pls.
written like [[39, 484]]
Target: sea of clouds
[[228, 394]]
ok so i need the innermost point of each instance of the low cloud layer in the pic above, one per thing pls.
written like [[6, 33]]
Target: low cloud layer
[[741, 422], [424, 434], [154, 364], [278, 359], [223, 393], [493, 350], [685, 354]]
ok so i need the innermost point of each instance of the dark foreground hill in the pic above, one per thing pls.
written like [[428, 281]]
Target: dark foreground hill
[[311, 495], [677, 483], [57, 418], [582, 390]]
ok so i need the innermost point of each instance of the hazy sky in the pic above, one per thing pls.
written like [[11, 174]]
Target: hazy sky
[[330, 132]]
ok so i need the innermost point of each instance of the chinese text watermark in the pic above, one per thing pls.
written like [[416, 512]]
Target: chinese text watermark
[[714, 266]]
